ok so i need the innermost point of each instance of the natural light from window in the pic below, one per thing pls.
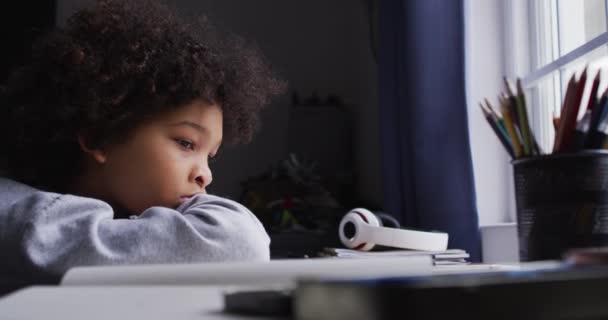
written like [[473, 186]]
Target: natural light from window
[[568, 35]]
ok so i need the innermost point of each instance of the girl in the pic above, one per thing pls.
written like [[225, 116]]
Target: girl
[[107, 136]]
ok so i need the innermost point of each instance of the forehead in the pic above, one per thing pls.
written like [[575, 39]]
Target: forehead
[[201, 116], [197, 110]]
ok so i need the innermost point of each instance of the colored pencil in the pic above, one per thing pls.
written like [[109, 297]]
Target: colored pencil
[[501, 135], [593, 93], [561, 126], [523, 120], [581, 132], [595, 118], [580, 124], [506, 113], [497, 117], [512, 101], [572, 113]]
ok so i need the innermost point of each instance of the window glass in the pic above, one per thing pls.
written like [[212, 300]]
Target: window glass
[[561, 26], [578, 22]]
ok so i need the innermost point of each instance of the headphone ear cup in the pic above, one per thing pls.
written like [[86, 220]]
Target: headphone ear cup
[[353, 218]]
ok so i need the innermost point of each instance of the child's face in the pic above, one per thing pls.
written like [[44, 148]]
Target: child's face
[[165, 161]]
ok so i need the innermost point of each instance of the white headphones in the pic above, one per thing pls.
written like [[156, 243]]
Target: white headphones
[[360, 229]]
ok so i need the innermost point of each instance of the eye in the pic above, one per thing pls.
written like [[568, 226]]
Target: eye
[[212, 158], [187, 144]]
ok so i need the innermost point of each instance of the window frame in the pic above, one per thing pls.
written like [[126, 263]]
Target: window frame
[[531, 26]]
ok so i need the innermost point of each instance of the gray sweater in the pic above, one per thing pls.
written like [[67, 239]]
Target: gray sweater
[[43, 234]]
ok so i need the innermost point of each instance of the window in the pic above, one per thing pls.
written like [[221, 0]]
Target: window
[[564, 36]]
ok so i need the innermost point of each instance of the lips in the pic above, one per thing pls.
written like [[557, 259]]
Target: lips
[[186, 198]]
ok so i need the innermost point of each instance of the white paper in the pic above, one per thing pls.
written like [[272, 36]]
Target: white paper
[[261, 273]]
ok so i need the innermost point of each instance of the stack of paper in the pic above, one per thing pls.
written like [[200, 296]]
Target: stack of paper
[[247, 273], [446, 257]]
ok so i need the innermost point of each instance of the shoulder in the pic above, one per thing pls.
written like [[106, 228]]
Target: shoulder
[[27, 201], [12, 192]]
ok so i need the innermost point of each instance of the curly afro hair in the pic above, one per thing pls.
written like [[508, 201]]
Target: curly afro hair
[[111, 67]]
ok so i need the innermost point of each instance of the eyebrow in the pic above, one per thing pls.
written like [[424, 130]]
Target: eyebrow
[[195, 126], [191, 124]]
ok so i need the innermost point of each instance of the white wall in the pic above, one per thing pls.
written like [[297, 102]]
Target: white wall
[[485, 66], [317, 45]]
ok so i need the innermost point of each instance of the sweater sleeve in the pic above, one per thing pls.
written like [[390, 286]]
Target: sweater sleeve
[[56, 232]]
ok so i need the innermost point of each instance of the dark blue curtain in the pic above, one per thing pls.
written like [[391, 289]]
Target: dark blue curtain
[[426, 158]]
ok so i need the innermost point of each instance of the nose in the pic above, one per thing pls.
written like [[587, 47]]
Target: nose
[[202, 176]]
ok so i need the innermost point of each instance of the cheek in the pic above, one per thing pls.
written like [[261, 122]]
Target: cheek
[[167, 171], [148, 177], [168, 165]]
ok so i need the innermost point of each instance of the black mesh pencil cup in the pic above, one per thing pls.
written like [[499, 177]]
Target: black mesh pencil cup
[[562, 203]]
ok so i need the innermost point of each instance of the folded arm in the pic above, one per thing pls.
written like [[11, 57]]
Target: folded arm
[[56, 232]]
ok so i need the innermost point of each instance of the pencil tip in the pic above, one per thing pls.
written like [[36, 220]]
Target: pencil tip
[[483, 109], [508, 86]]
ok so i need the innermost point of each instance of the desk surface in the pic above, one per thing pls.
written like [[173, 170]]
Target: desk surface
[[149, 303], [152, 302]]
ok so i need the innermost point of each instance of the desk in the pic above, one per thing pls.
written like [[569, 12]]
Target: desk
[[114, 303], [154, 301]]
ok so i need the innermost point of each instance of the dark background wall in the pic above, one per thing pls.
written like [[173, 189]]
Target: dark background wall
[[320, 47], [20, 23]]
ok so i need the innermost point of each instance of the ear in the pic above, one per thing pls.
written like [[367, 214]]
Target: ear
[[98, 155]]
